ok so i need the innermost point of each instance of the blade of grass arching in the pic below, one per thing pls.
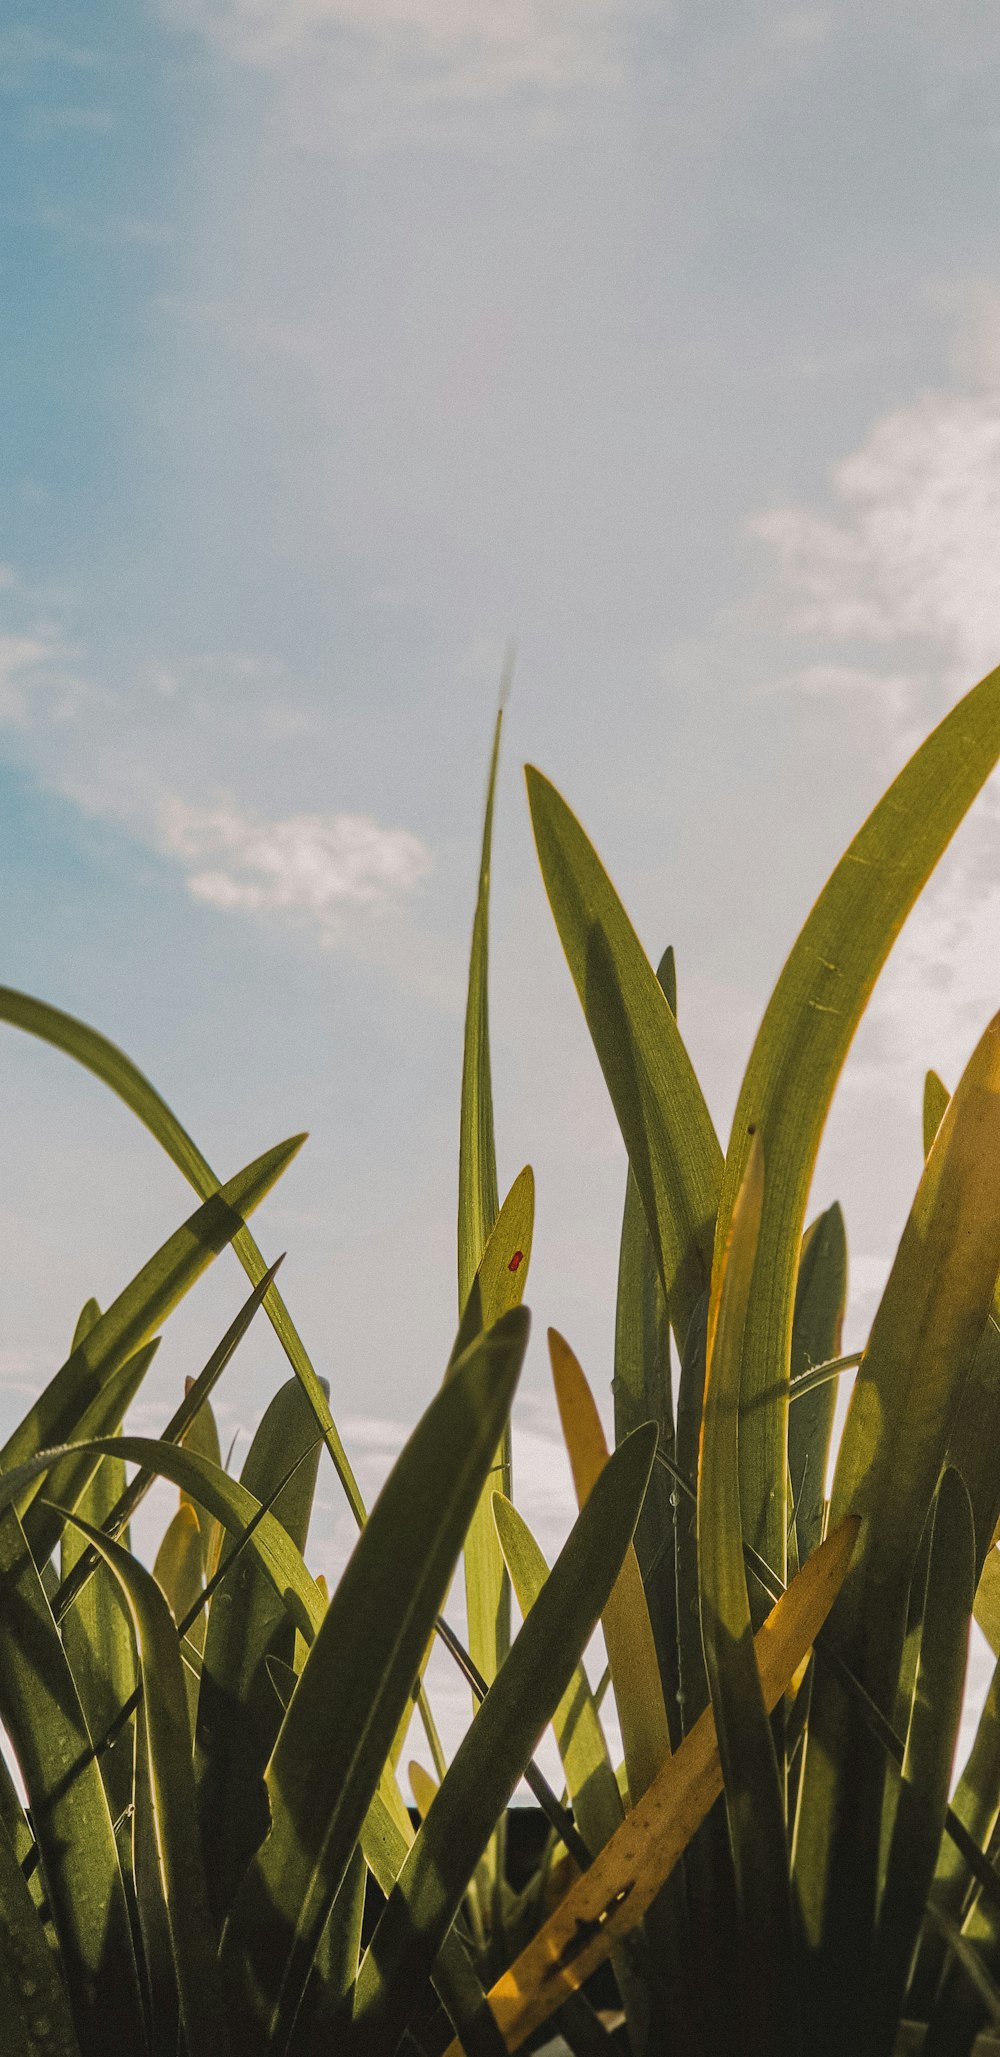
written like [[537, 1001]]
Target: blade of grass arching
[[97, 1638], [801, 1045], [820, 1301], [613, 1896], [101, 1057], [591, 1784], [42, 1715], [487, 1590], [239, 1713], [165, 1734], [68, 1483], [133, 1494], [672, 1147], [769, 2001], [936, 1098], [220, 1495], [895, 1441], [641, 1388], [930, 1744], [34, 2011], [333, 1741], [628, 1636], [490, 1759], [144, 1305], [336, 1966]]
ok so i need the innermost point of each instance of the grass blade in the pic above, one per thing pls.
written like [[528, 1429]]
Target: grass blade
[[239, 1713], [492, 1755], [754, 1796], [34, 2010], [672, 1147], [612, 1897], [134, 1493], [820, 1301], [642, 1392], [635, 1674], [487, 1588], [590, 1780], [930, 1746], [101, 1057], [803, 1040], [337, 1732], [41, 1713], [144, 1305], [165, 1735], [895, 1441]]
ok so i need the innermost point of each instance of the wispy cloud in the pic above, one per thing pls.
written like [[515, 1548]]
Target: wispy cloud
[[308, 868], [473, 48], [912, 551]]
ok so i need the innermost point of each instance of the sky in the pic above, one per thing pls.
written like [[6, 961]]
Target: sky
[[341, 342]]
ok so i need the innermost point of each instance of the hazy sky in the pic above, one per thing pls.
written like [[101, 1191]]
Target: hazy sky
[[341, 341]]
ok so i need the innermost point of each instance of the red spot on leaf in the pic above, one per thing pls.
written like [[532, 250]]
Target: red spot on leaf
[[518, 1258]]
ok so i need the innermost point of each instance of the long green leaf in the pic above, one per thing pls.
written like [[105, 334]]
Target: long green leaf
[[89, 1048], [615, 1893], [144, 1304], [338, 1729], [34, 2013], [799, 1050], [238, 1710], [97, 1638], [165, 1735], [131, 1496], [672, 1146], [895, 1441], [820, 1301], [41, 1712], [930, 1746], [576, 1724], [754, 1797], [487, 1588], [642, 1392], [493, 1754]]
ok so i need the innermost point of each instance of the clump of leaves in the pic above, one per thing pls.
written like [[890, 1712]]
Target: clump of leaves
[[209, 1752]]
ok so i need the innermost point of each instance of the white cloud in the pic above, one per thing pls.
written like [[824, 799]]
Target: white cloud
[[913, 552], [310, 868]]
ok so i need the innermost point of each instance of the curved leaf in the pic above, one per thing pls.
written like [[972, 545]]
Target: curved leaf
[[895, 1441], [89, 1048], [672, 1146], [144, 1304], [801, 1045]]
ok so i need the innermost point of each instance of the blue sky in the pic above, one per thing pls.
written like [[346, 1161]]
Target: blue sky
[[342, 340]]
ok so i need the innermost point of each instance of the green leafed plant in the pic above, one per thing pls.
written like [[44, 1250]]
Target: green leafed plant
[[203, 1843]]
